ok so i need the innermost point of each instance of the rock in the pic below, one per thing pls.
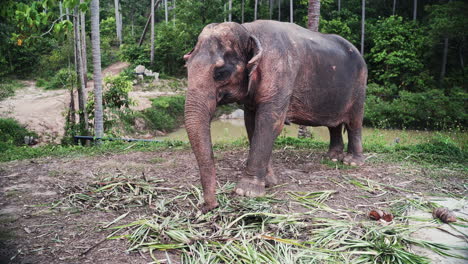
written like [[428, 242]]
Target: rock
[[140, 69], [238, 114]]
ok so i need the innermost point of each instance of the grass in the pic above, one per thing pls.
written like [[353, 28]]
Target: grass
[[257, 230]]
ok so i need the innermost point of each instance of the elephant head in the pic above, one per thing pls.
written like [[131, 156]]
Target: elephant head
[[220, 68]]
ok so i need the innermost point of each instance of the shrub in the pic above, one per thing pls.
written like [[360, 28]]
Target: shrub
[[8, 88], [166, 113], [430, 109], [64, 79], [12, 133]]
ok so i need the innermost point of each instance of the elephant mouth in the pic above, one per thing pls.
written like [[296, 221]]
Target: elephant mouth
[[225, 98]]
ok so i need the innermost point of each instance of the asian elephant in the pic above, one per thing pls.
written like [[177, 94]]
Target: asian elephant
[[280, 73]]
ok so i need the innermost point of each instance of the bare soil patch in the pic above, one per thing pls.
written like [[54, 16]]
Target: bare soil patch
[[34, 232]]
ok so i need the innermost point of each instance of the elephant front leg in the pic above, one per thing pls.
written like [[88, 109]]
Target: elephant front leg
[[258, 174]]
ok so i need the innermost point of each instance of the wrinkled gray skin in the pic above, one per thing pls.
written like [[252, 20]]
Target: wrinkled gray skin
[[281, 73]]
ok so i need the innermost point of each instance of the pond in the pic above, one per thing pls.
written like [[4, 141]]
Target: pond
[[224, 130]]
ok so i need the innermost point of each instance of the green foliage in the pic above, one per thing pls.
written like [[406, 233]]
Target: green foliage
[[8, 88], [396, 54], [116, 94], [166, 113], [416, 110], [64, 79], [12, 133], [115, 100], [135, 54]]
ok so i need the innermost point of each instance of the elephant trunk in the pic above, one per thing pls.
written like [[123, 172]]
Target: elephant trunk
[[199, 109]]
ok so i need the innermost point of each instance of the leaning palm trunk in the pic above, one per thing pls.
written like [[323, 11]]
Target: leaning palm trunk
[[96, 47]]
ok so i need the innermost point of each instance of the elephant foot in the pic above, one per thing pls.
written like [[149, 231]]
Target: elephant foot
[[206, 207], [353, 160], [335, 156], [250, 187], [271, 179]]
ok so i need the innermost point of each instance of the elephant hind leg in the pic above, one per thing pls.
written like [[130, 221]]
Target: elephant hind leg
[[249, 118], [354, 157], [335, 150]]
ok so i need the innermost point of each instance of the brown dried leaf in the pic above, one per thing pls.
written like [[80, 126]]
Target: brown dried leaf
[[376, 214], [387, 217], [380, 215], [444, 214]]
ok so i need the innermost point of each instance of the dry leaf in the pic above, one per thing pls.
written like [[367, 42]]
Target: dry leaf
[[380, 215]]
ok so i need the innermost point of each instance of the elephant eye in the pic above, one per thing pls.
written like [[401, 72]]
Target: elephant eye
[[223, 73]]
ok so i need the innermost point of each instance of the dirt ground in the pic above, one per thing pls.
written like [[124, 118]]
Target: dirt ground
[[44, 111], [32, 232]]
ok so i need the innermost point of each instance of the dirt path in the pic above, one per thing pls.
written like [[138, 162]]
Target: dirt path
[[32, 231], [44, 111]]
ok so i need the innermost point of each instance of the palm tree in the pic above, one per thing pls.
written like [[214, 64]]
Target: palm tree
[[83, 45], [152, 33], [291, 11], [96, 47], [255, 10], [242, 11], [279, 10], [80, 73], [313, 24], [166, 14], [118, 24], [363, 22], [230, 11], [314, 15]]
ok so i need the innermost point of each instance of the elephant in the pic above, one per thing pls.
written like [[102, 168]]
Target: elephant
[[280, 73]]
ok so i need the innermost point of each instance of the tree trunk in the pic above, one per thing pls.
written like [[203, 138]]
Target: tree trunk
[[460, 54], [166, 14], [313, 25], [173, 8], [67, 12], [84, 51], [415, 9], [96, 47], [279, 10], [242, 11], [444, 60], [270, 6], [152, 33], [230, 11], [291, 11], [61, 10], [339, 5], [314, 15], [117, 22], [80, 73], [255, 10], [394, 7], [363, 21]]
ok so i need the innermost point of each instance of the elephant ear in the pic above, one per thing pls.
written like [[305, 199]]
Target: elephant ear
[[252, 66]]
